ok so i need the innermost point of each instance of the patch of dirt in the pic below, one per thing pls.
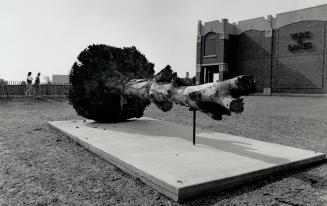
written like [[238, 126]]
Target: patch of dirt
[[40, 166]]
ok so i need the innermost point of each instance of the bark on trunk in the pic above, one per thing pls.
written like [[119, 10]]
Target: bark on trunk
[[214, 99]]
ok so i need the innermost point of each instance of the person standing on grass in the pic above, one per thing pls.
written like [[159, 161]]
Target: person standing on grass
[[29, 87], [37, 84]]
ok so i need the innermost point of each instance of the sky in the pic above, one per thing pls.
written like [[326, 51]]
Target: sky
[[47, 35]]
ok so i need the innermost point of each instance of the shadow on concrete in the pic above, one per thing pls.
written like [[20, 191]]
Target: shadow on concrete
[[237, 148], [161, 129]]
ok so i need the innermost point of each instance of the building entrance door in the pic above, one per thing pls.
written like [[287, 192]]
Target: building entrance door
[[210, 74], [215, 77]]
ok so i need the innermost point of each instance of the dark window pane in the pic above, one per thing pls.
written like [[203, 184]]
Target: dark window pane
[[210, 44]]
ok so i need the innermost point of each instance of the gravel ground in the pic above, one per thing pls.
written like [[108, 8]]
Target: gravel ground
[[40, 166]]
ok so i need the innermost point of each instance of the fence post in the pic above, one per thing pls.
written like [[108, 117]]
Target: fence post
[[16, 85]]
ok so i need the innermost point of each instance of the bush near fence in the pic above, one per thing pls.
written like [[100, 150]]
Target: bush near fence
[[16, 89]]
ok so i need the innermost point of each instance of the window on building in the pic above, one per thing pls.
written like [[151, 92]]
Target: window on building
[[210, 44]]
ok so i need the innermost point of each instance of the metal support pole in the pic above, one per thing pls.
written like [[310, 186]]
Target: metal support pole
[[194, 126]]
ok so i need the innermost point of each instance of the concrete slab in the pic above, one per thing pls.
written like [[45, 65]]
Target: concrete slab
[[162, 155]]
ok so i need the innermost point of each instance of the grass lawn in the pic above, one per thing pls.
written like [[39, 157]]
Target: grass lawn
[[41, 166]]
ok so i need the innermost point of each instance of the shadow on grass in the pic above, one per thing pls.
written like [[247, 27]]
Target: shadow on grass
[[213, 196]]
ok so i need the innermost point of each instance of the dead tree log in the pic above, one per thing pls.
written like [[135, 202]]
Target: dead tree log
[[214, 99], [111, 84]]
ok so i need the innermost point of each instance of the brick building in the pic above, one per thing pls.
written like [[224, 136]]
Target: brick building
[[285, 54]]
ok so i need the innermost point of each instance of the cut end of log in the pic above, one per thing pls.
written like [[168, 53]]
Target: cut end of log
[[164, 106], [245, 86], [214, 110], [237, 106]]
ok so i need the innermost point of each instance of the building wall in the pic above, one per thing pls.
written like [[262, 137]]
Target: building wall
[[286, 54], [301, 68], [307, 14], [274, 66], [260, 24], [250, 56]]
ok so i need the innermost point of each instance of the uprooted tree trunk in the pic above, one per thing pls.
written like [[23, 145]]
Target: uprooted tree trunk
[[214, 99], [110, 84]]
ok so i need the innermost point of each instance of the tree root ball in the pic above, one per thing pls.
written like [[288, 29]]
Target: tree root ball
[[97, 78]]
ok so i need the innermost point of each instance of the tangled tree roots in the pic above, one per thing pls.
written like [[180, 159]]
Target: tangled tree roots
[[95, 76]]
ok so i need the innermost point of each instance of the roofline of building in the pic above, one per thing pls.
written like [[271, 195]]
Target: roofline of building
[[312, 7]]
